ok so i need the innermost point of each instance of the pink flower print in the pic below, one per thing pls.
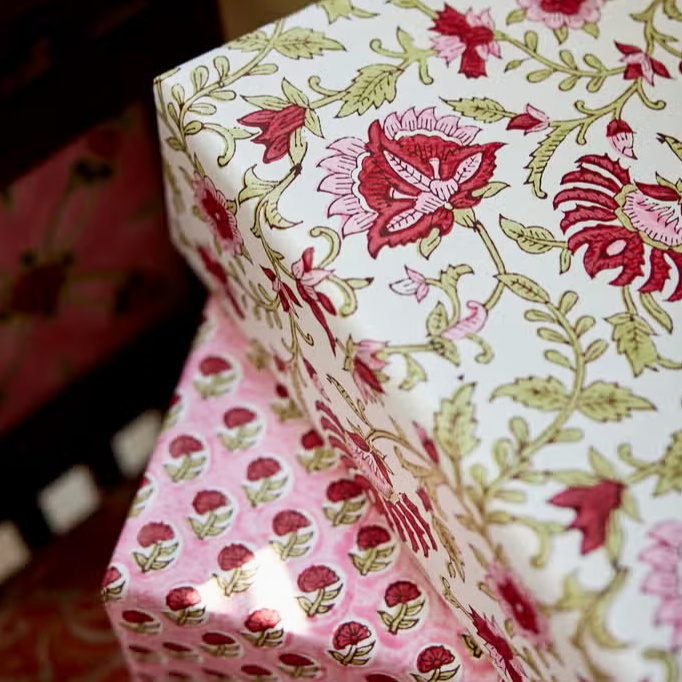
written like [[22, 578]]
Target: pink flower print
[[532, 121], [238, 416], [207, 501], [557, 14], [407, 179], [621, 138], [414, 285], [665, 577], [111, 575], [427, 443], [243, 429], [233, 558], [307, 278], [262, 624], [185, 449], [219, 274], [183, 603], [184, 445], [264, 471], [469, 36], [283, 291], [157, 538], [640, 65], [364, 364], [471, 324], [315, 378], [348, 636], [219, 213]]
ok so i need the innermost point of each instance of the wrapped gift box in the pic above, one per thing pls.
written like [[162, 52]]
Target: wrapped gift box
[[249, 553], [460, 231]]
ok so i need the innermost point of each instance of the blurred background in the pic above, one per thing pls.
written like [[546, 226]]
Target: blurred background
[[96, 310]]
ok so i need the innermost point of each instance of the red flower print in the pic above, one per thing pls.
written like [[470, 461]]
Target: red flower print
[[238, 416], [176, 648], [217, 675], [177, 675], [311, 440], [469, 36], [433, 657], [218, 213], [497, 646], [289, 521], [234, 556], [426, 500], [366, 366], [144, 481], [345, 489], [401, 592], [427, 443], [556, 14], [593, 506], [369, 461], [276, 129], [151, 533], [518, 605], [184, 445], [283, 290], [139, 649], [214, 365], [295, 660], [372, 536], [316, 578], [217, 639], [314, 377], [627, 220], [216, 270], [621, 138], [281, 391], [208, 500], [350, 634], [532, 121], [407, 181], [136, 617], [262, 620], [255, 670], [111, 575], [640, 64], [414, 284], [380, 677], [182, 598], [307, 278], [263, 467]]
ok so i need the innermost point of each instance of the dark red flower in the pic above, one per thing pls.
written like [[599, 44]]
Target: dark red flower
[[139, 649], [295, 660], [184, 445], [217, 674], [282, 391], [467, 35], [531, 121], [219, 213], [277, 127], [283, 290], [311, 440], [372, 536], [151, 533], [401, 592], [238, 416], [262, 620], [234, 556], [368, 461], [214, 365], [627, 220], [176, 647], [208, 500], [426, 500], [279, 363], [498, 646], [316, 578], [111, 575], [433, 657], [216, 270], [593, 506], [175, 399], [380, 677], [640, 64], [263, 467], [217, 639], [620, 137], [350, 633], [144, 481], [345, 489], [289, 521], [136, 617], [182, 598], [255, 670], [427, 442]]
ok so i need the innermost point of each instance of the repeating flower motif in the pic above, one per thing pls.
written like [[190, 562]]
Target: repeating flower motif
[[296, 665], [219, 213], [665, 577], [220, 645], [243, 429], [113, 584], [276, 128], [533, 120], [408, 180], [267, 473], [632, 219], [157, 538], [621, 138], [190, 455], [232, 560], [184, 605], [640, 65], [498, 647], [363, 361], [557, 14], [432, 660], [348, 502], [261, 626], [318, 579], [216, 376], [406, 601], [321, 457], [347, 637], [257, 672], [139, 622], [219, 274], [469, 36], [143, 496], [284, 292], [288, 523], [179, 650], [376, 550], [206, 504], [414, 285]]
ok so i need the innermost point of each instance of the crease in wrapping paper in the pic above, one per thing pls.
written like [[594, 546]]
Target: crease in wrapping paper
[[249, 553], [454, 228]]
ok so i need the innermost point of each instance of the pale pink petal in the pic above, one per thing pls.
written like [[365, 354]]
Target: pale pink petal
[[647, 69], [471, 324], [448, 47], [336, 183], [391, 125], [422, 292], [414, 275], [409, 120], [670, 611], [348, 204], [349, 146], [574, 21], [427, 119], [662, 584], [361, 222], [536, 113], [448, 124], [669, 532], [465, 134], [467, 168], [486, 19], [366, 350], [297, 268], [339, 164], [661, 556], [314, 277], [495, 49], [404, 287], [623, 143]]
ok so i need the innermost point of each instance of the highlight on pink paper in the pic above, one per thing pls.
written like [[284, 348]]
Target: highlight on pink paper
[[250, 554]]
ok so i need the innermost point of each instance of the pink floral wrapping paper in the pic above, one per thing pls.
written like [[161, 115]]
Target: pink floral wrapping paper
[[459, 228], [84, 261], [250, 554]]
